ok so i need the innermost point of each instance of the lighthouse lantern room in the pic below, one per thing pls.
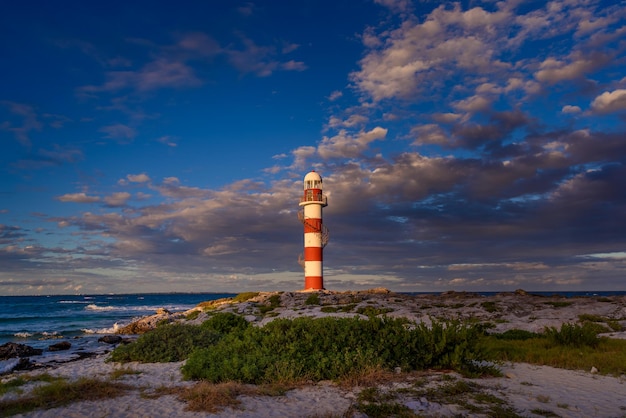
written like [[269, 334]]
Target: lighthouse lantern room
[[315, 233]]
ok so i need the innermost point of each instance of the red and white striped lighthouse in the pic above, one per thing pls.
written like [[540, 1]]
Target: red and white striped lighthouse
[[315, 233]]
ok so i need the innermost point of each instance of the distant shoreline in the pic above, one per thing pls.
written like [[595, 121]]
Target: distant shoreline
[[564, 293]]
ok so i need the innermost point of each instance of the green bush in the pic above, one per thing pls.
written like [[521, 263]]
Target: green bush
[[313, 299], [574, 335], [331, 348], [242, 297], [373, 311], [490, 306], [173, 342], [225, 323], [274, 302], [516, 334]]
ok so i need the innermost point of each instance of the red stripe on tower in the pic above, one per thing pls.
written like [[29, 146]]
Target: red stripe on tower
[[315, 233]]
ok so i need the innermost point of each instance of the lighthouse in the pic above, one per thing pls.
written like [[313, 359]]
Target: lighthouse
[[315, 233]]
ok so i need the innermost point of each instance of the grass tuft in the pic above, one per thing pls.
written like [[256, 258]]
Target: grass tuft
[[60, 393], [213, 398]]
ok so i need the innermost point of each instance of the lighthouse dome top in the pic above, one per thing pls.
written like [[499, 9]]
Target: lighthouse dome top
[[312, 181]]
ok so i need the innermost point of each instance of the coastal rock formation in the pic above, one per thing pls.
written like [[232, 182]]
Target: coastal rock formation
[[148, 323], [11, 350], [61, 346], [503, 311], [110, 339]]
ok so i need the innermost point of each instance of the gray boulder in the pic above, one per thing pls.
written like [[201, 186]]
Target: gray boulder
[[11, 350]]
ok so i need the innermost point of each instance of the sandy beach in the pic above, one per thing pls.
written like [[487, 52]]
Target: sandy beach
[[529, 390]]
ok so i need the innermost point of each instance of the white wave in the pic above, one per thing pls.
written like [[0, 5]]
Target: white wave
[[93, 307], [8, 365], [111, 330], [142, 308], [23, 334], [73, 301]]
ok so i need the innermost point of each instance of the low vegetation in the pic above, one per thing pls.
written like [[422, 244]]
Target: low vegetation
[[60, 392], [572, 346], [175, 342], [245, 296], [332, 348], [313, 299], [226, 348]]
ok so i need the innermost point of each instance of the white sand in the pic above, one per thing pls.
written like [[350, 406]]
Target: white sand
[[524, 387]]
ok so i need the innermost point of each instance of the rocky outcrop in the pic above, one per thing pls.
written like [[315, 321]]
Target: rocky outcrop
[[149, 323], [11, 350], [110, 339], [61, 346]]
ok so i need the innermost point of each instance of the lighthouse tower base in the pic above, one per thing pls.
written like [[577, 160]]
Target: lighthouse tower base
[[314, 283]]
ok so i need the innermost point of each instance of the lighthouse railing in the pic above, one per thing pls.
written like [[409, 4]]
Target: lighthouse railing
[[315, 198]]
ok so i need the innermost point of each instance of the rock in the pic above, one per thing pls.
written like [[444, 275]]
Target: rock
[[63, 345], [378, 290], [594, 370], [110, 339], [162, 311], [10, 350]]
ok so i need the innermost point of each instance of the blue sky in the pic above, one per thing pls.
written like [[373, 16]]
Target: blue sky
[[160, 146]]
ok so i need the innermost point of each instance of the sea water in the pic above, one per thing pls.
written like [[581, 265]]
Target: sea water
[[40, 321]]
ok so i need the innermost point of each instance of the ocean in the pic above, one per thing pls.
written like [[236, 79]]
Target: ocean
[[40, 321]]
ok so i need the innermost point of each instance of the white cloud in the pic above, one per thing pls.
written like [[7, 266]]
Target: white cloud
[[344, 145], [78, 198], [553, 70], [138, 178], [117, 199], [609, 102], [335, 95], [570, 109]]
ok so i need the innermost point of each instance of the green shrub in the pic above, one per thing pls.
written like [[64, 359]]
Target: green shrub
[[242, 297], [225, 323], [166, 343], [193, 315], [516, 334], [574, 335], [373, 311], [348, 308], [274, 302], [313, 299], [329, 309], [490, 306], [331, 348]]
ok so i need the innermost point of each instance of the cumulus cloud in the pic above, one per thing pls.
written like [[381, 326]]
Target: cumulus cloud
[[610, 102], [552, 70], [78, 198], [344, 145], [117, 199], [571, 109], [138, 178]]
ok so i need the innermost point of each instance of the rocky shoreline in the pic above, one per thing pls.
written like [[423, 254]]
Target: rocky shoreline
[[505, 311], [525, 388]]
